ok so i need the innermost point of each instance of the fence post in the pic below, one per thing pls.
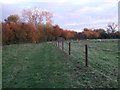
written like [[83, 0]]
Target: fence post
[[69, 49], [58, 44], [52, 43], [62, 45], [86, 55]]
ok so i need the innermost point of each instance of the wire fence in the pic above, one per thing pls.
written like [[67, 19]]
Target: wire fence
[[87, 54], [66, 46]]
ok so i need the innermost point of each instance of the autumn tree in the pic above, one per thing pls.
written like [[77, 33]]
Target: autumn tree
[[15, 29], [42, 28], [57, 31], [7, 34], [102, 33], [68, 34], [31, 33], [88, 33], [37, 16], [34, 35], [12, 18], [86, 29]]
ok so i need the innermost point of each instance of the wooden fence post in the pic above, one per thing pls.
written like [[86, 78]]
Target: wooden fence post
[[69, 49], [62, 45], [56, 43], [86, 55]]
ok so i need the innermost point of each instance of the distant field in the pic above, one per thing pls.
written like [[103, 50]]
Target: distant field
[[46, 66]]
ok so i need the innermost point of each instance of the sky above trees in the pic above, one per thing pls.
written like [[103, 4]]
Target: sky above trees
[[69, 14]]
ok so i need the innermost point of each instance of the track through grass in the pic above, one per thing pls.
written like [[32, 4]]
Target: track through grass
[[46, 66]]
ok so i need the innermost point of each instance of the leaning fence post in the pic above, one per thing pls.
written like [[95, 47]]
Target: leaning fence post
[[86, 55], [69, 49], [62, 45]]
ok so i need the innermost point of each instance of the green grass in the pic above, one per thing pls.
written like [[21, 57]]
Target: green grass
[[34, 65], [102, 58], [46, 66]]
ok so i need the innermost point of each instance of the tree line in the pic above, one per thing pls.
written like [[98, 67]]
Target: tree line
[[110, 33], [36, 26]]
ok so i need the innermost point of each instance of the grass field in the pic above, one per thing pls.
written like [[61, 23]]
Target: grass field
[[46, 66]]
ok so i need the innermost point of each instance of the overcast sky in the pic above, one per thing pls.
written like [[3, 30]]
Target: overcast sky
[[69, 14]]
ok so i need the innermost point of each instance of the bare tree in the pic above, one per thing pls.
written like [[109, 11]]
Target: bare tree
[[111, 28], [37, 16]]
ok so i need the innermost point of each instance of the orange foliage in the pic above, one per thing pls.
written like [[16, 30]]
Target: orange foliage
[[68, 34], [27, 32], [7, 34], [90, 34]]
